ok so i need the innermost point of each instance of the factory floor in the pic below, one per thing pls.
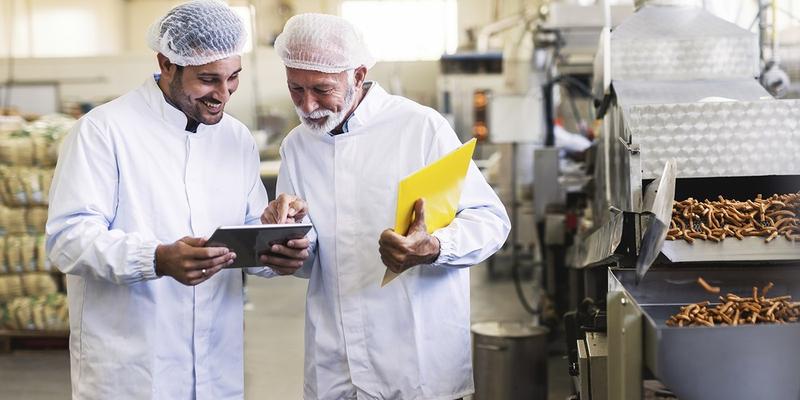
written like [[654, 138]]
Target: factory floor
[[273, 344]]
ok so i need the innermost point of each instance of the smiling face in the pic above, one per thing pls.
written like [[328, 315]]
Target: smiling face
[[323, 101], [200, 91]]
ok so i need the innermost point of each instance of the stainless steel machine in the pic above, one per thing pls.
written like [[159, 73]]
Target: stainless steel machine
[[680, 84]]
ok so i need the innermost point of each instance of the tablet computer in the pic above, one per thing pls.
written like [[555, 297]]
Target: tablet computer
[[250, 241]]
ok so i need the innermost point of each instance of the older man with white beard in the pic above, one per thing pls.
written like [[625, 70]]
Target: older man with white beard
[[409, 339], [321, 119]]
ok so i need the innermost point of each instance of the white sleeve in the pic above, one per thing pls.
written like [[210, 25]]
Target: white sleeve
[[481, 225], [285, 185], [83, 202]]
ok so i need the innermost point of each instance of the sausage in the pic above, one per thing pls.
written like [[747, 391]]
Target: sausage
[[708, 288]]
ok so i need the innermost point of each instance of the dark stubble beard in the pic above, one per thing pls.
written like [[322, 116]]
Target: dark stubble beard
[[183, 102]]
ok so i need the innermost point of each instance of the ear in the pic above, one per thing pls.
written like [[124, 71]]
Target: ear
[[360, 75], [166, 66]]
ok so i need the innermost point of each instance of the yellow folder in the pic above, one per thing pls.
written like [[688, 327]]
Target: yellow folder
[[439, 183]]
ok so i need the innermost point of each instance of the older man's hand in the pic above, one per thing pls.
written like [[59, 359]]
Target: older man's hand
[[286, 259], [285, 209], [400, 253]]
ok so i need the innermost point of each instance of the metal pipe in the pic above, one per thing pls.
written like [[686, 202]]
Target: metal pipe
[[485, 33], [498, 26], [762, 28], [774, 30], [547, 96], [254, 39], [6, 101]]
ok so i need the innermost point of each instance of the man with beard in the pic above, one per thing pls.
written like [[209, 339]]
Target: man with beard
[[411, 338], [140, 182]]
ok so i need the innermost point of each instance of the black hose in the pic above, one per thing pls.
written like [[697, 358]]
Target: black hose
[[547, 95], [518, 286]]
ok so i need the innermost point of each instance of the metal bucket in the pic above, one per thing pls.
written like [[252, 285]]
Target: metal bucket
[[510, 361]]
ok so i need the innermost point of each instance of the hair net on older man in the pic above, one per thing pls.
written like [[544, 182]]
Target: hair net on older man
[[198, 32], [324, 43]]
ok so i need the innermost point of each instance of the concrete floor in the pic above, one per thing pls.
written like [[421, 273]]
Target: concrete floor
[[273, 344]]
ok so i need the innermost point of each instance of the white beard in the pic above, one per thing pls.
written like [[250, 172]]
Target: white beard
[[333, 118]]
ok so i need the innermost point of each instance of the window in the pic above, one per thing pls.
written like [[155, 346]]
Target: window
[[745, 13], [65, 28], [405, 30], [247, 14], [80, 28], [74, 41]]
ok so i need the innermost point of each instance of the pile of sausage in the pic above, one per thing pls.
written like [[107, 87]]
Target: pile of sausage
[[715, 220], [735, 310]]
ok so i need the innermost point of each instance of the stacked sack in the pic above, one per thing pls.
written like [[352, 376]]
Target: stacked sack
[[28, 283], [42, 313]]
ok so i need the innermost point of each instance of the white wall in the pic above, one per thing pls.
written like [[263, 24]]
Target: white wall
[[139, 15], [97, 79]]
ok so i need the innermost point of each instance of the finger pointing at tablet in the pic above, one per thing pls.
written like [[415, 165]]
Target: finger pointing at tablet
[[286, 208]]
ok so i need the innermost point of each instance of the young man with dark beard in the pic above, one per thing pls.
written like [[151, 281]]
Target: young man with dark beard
[[140, 182]]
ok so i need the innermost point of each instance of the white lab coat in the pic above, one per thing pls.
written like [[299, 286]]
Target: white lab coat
[[129, 177], [411, 338]]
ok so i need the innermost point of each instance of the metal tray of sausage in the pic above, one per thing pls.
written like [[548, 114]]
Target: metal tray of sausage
[[750, 248], [731, 249], [721, 362]]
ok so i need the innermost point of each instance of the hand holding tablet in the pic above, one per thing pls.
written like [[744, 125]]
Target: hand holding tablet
[[249, 242]]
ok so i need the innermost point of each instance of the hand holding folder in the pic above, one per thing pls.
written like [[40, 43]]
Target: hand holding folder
[[440, 184]]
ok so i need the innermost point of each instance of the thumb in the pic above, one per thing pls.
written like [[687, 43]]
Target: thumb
[[419, 217], [194, 241]]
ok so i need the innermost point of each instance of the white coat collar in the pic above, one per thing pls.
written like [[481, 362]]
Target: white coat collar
[[370, 106], [171, 115]]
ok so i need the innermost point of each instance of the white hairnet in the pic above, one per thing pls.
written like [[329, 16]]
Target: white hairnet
[[321, 42], [198, 32]]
